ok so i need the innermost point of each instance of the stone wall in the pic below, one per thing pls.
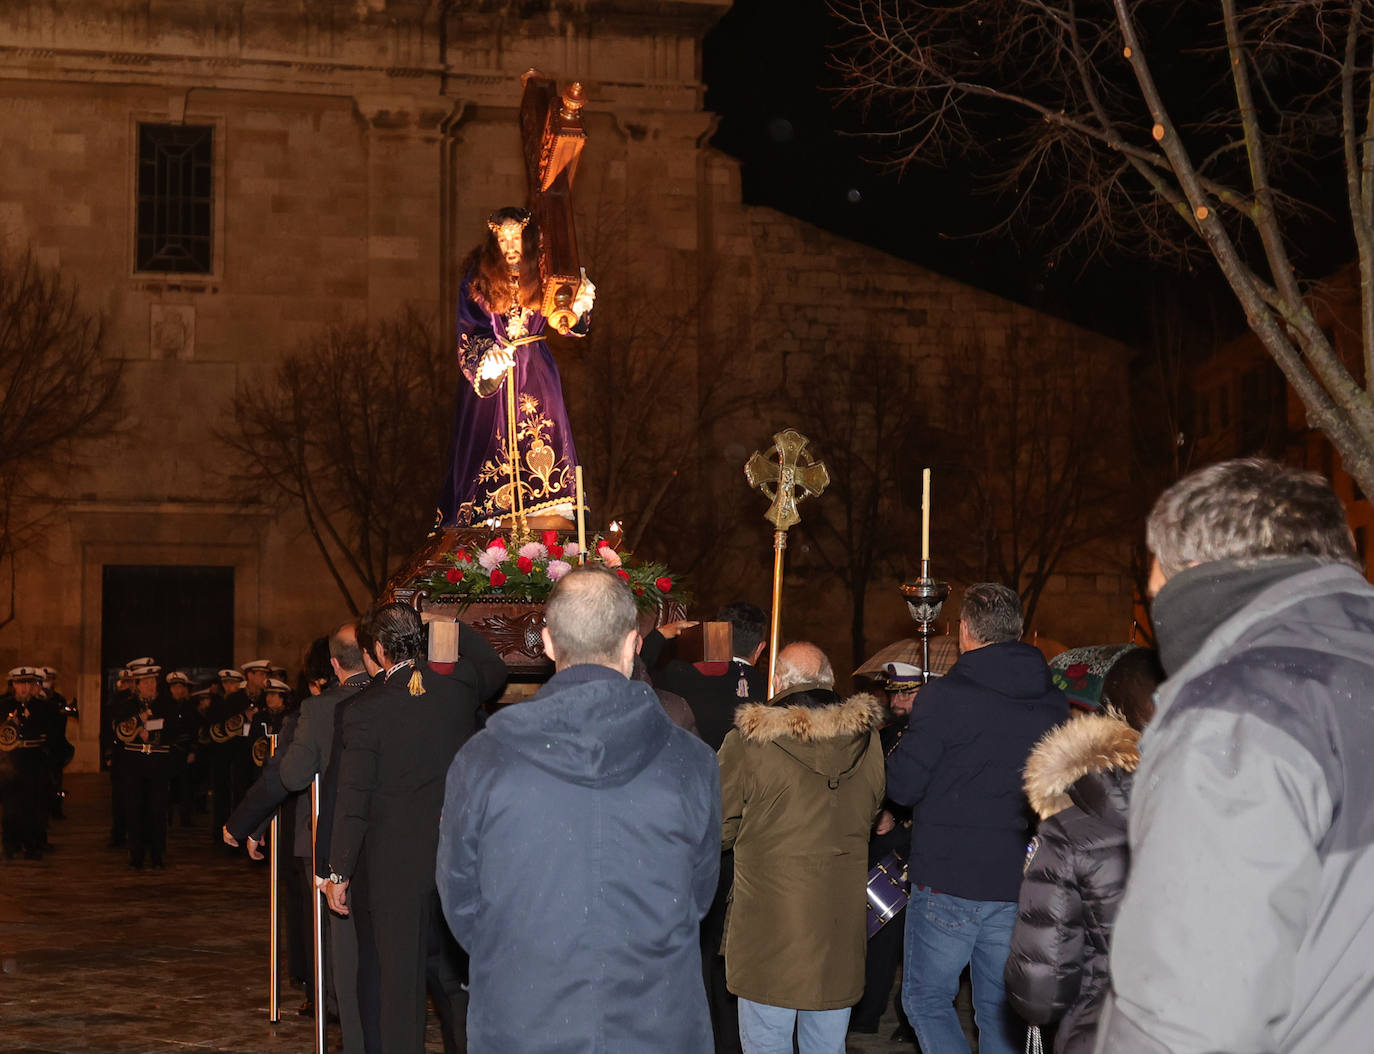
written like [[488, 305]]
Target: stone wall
[[358, 149]]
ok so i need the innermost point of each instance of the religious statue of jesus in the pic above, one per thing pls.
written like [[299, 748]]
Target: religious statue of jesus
[[513, 456]]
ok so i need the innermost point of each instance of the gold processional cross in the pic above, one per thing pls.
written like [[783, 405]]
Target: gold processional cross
[[786, 481]]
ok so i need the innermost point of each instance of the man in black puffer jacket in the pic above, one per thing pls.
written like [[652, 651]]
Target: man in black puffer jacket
[[1078, 780]]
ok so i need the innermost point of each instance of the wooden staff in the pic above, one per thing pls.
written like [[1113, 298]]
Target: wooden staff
[[273, 925], [792, 477], [317, 917]]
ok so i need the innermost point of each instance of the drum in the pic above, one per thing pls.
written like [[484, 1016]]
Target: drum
[[888, 891]]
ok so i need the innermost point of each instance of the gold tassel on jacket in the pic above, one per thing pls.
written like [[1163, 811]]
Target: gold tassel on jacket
[[417, 683]]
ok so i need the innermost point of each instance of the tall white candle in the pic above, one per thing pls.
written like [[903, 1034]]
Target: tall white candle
[[581, 520], [925, 514]]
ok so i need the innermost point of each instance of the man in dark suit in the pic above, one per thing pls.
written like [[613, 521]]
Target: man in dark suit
[[309, 755], [304, 750], [398, 742]]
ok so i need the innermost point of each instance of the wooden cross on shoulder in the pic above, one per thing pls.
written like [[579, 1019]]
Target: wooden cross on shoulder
[[788, 480], [553, 137]]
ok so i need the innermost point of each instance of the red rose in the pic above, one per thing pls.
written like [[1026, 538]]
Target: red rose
[[525, 564], [454, 575], [623, 574], [555, 552], [639, 591], [500, 543], [498, 578], [665, 584], [549, 538], [464, 557]]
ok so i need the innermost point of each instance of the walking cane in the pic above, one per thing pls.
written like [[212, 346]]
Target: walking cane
[[273, 1000], [317, 916]]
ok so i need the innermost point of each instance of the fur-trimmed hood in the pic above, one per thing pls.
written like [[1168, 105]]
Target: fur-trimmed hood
[[766, 722], [1094, 744]]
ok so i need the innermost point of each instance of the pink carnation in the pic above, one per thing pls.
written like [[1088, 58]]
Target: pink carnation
[[557, 569], [570, 549], [609, 556], [533, 551], [491, 558]]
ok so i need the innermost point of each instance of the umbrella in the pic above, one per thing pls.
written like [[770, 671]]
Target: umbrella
[[1080, 672], [944, 649]]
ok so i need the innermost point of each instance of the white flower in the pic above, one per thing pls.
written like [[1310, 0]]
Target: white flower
[[533, 551], [557, 569]]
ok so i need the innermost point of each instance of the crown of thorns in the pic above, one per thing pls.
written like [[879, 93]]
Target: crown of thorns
[[509, 225]]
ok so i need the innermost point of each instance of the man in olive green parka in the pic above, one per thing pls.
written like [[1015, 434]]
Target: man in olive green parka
[[801, 782]]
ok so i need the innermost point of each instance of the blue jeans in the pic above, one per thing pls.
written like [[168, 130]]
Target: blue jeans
[[765, 1029], [944, 934]]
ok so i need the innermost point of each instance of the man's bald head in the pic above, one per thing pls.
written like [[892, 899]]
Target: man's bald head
[[589, 617], [345, 650], [802, 663]]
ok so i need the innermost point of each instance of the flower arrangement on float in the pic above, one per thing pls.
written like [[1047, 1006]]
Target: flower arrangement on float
[[503, 570]]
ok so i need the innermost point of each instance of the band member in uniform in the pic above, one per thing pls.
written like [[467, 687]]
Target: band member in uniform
[[200, 746], [243, 708], [117, 708], [221, 749], [60, 749], [23, 745], [147, 738], [183, 715]]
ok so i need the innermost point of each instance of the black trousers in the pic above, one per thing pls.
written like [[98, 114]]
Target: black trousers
[[118, 833], [404, 949], [25, 800], [221, 790], [146, 795], [882, 960], [723, 1005]]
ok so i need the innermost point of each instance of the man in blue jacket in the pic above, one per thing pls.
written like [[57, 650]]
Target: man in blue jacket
[[959, 767], [578, 851]]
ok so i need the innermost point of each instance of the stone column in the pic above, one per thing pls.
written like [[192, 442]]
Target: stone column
[[407, 201]]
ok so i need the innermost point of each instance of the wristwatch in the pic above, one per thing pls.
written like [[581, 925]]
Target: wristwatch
[[336, 878]]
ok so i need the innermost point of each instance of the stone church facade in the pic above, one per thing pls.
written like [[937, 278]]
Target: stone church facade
[[336, 159]]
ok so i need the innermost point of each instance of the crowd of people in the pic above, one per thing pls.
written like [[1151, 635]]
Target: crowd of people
[[658, 854]]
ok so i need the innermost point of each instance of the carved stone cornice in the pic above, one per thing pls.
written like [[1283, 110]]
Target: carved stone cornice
[[421, 117]]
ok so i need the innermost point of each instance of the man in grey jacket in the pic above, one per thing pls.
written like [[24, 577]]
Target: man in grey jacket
[[1249, 913]]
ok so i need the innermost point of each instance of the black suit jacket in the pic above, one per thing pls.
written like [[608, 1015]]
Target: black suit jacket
[[397, 746], [267, 793], [329, 785]]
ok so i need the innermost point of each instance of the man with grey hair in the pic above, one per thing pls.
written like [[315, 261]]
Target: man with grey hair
[[801, 781], [1248, 916], [959, 767], [578, 850]]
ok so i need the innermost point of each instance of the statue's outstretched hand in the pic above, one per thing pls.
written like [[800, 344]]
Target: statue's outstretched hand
[[586, 295], [496, 362]]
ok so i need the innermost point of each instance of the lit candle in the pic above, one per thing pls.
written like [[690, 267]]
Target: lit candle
[[925, 514], [581, 520]]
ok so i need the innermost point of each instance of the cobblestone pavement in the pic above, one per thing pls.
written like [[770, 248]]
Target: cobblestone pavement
[[97, 957]]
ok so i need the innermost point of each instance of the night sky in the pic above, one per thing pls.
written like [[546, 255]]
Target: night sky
[[803, 152]]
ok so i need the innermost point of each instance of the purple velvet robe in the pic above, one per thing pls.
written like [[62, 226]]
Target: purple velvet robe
[[479, 486]]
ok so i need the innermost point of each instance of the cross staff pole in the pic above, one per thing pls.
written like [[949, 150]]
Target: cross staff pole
[[792, 477]]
